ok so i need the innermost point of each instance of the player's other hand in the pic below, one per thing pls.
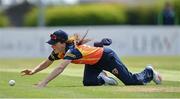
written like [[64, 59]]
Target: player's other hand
[[27, 72]]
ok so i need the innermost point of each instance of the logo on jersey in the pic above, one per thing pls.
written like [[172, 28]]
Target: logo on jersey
[[115, 72], [69, 54]]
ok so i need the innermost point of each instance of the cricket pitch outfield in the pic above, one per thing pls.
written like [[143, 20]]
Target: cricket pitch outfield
[[69, 84]]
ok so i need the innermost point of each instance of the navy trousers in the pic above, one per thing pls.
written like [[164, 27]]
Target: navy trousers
[[110, 62]]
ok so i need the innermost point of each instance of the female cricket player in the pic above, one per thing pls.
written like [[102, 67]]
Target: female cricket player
[[96, 60]]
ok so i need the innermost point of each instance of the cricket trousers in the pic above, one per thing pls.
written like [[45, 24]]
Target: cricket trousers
[[110, 62]]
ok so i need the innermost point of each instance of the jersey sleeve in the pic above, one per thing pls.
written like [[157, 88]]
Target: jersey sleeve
[[53, 56], [72, 54]]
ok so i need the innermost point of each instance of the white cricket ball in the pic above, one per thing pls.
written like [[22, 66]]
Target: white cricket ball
[[12, 82]]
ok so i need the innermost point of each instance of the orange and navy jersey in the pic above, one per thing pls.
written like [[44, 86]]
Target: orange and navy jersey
[[82, 54]]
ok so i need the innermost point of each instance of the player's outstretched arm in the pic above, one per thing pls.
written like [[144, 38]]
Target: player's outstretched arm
[[38, 68], [57, 71]]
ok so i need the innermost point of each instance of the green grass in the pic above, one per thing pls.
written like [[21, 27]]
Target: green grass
[[69, 84]]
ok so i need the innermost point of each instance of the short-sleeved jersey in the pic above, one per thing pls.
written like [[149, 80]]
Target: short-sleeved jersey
[[82, 54]]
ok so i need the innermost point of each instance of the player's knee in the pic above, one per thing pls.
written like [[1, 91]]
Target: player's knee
[[91, 83], [129, 84], [88, 83]]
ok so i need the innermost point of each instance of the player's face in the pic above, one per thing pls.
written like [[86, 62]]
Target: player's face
[[59, 47]]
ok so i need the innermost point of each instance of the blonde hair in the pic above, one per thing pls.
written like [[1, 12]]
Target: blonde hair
[[77, 40]]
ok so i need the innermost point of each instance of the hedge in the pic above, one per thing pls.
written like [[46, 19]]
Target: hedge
[[3, 20], [177, 10], [100, 14], [142, 15], [80, 15]]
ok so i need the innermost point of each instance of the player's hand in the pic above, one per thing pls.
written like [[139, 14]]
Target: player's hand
[[27, 72]]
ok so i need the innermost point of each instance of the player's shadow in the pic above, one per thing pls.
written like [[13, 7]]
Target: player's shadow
[[67, 86], [82, 86]]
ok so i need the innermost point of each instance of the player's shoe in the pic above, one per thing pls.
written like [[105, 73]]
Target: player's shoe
[[156, 76], [107, 80], [112, 82]]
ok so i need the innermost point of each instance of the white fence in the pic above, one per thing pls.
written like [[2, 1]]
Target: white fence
[[127, 40]]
